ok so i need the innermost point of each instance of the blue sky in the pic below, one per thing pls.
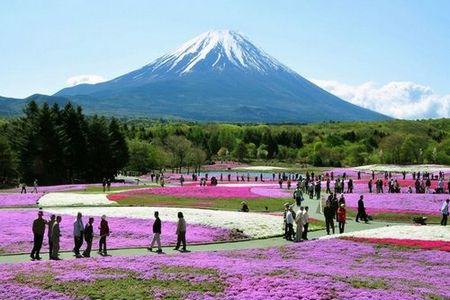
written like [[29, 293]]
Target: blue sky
[[342, 45]]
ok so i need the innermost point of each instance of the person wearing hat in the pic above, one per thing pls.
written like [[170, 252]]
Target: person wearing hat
[[38, 235], [104, 232], [244, 207], [341, 217]]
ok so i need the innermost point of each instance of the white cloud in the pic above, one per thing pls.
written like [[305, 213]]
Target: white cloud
[[85, 78], [399, 99]]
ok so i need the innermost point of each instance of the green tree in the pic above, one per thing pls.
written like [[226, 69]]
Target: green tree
[[8, 164], [118, 146], [240, 151]]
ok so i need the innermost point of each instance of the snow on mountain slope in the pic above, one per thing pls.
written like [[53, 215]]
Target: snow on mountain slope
[[216, 50], [225, 46]]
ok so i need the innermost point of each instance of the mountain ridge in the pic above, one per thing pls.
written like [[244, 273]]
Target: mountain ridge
[[217, 76]]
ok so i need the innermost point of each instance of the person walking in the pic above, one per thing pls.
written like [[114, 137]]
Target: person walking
[[104, 232], [370, 185], [156, 233], [290, 223], [88, 237], [298, 196], [49, 235], [38, 236], [329, 214], [328, 191], [181, 233], [104, 184], [35, 186], [445, 210], [23, 188], [317, 188], [78, 230], [341, 217], [56, 234], [361, 210], [305, 223]]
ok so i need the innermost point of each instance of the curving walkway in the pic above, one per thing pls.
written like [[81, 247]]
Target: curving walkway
[[236, 245]]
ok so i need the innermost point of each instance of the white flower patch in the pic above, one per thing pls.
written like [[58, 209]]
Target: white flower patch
[[74, 199], [408, 169], [407, 232], [260, 168], [252, 224]]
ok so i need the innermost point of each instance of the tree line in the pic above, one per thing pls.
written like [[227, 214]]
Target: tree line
[[58, 145]]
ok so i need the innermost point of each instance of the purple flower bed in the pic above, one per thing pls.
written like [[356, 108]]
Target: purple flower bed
[[323, 269], [15, 199], [16, 235], [401, 203]]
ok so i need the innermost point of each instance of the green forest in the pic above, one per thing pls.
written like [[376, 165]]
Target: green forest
[[62, 145]]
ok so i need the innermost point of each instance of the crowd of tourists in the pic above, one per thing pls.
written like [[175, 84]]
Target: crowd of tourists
[[85, 233]]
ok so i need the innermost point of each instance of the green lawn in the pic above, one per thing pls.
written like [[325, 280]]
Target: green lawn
[[99, 189], [257, 204]]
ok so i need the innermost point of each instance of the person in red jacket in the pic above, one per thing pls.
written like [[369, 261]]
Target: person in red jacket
[[104, 232], [341, 217]]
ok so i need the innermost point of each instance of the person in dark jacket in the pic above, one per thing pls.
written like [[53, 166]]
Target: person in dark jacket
[[181, 233], [156, 233], [49, 234], [88, 237], [329, 214], [361, 210], [38, 233], [104, 232]]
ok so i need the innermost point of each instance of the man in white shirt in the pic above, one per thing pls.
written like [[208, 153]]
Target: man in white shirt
[[290, 224], [78, 230], [299, 223]]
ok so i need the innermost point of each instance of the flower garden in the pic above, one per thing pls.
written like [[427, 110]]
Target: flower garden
[[322, 269], [366, 262]]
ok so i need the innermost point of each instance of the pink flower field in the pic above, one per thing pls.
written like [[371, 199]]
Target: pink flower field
[[400, 203], [16, 199], [322, 269], [16, 235]]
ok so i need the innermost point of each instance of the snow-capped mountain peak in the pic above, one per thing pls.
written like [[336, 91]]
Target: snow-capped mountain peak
[[219, 76], [216, 49]]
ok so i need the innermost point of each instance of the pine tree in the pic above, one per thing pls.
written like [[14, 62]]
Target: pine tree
[[118, 147]]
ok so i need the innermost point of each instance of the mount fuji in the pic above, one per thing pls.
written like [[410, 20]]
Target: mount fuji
[[217, 76]]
